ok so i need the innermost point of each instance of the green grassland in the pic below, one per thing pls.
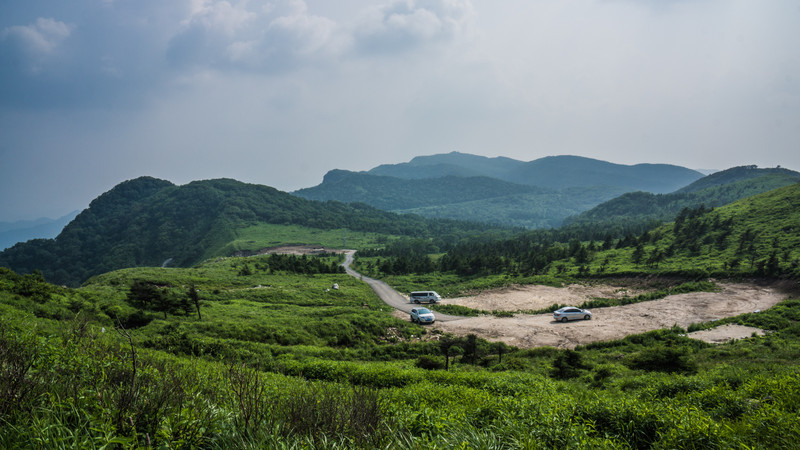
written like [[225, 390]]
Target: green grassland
[[278, 351], [265, 235], [280, 359]]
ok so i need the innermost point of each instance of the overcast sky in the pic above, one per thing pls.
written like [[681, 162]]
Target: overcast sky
[[95, 92]]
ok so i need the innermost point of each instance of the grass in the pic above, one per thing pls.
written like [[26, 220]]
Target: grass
[[284, 360], [270, 235]]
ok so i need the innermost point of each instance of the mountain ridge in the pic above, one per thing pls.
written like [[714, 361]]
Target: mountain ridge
[[145, 221], [534, 194]]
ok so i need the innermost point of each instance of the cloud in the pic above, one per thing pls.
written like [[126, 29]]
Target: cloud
[[407, 24], [29, 46], [225, 36]]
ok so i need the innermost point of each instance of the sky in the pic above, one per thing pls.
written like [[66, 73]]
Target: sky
[[96, 92]]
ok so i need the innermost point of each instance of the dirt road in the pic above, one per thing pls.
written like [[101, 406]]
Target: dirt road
[[525, 330], [387, 293]]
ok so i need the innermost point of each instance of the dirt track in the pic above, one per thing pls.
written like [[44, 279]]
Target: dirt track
[[524, 330]]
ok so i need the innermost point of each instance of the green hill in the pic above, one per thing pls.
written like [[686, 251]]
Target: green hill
[[755, 236], [736, 174], [714, 190], [262, 353], [151, 222]]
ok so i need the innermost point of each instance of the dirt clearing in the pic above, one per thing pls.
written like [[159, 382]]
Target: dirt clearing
[[525, 331]]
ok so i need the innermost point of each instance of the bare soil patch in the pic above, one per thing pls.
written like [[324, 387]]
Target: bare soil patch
[[290, 250], [534, 297], [525, 330], [725, 333]]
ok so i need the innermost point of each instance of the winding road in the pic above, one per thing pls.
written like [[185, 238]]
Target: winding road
[[386, 293]]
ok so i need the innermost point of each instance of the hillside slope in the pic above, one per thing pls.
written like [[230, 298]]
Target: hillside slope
[[714, 190], [150, 222]]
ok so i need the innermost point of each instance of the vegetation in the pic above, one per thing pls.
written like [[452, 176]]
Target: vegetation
[[150, 222], [715, 190], [756, 236], [278, 351], [296, 364]]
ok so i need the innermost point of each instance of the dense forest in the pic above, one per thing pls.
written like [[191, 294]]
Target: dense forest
[[151, 222]]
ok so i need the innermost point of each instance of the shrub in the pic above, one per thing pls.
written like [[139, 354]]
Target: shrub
[[568, 364], [662, 359], [429, 363]]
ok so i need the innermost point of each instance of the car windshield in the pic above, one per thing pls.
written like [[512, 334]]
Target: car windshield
[[423, 311]]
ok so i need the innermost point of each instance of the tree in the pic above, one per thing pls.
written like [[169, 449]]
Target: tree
[[470, 349], [638, 254], [449, 347], [194, 297], [567, 364]]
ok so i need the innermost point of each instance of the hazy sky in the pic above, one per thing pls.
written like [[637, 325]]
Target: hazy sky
[[95, 92]]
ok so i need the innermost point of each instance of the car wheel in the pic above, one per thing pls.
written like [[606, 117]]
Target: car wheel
[[564, 320], [587, 317], [416, 301]]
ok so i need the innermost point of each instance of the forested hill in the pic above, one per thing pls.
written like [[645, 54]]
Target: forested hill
[[755, 236], [146, 221], [392, 193], [715, 190], [741, 173]]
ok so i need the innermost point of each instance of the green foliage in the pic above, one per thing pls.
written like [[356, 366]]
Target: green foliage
[[149, 222], [280, 359], [663, 359]]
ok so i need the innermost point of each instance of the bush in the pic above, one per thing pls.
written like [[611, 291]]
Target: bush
[[429, 363], [662, 359]]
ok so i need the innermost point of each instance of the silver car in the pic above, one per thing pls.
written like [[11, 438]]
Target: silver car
[[422, 315], [571, 313]]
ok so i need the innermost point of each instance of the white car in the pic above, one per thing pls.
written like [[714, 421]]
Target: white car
[[424, 297], [571, 313], [422, 315]]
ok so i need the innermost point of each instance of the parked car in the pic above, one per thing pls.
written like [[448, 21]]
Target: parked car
[[571, 313], [422, 315], [424, 297]]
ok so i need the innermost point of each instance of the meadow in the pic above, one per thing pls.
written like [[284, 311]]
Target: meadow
[[268, 357]]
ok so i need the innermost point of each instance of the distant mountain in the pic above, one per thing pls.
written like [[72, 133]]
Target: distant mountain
[[392, 193], [454, 163], [560, 172], [145, 221], [718, 189], [25, 230], [535, 210], [504, 191], [552, 172]]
